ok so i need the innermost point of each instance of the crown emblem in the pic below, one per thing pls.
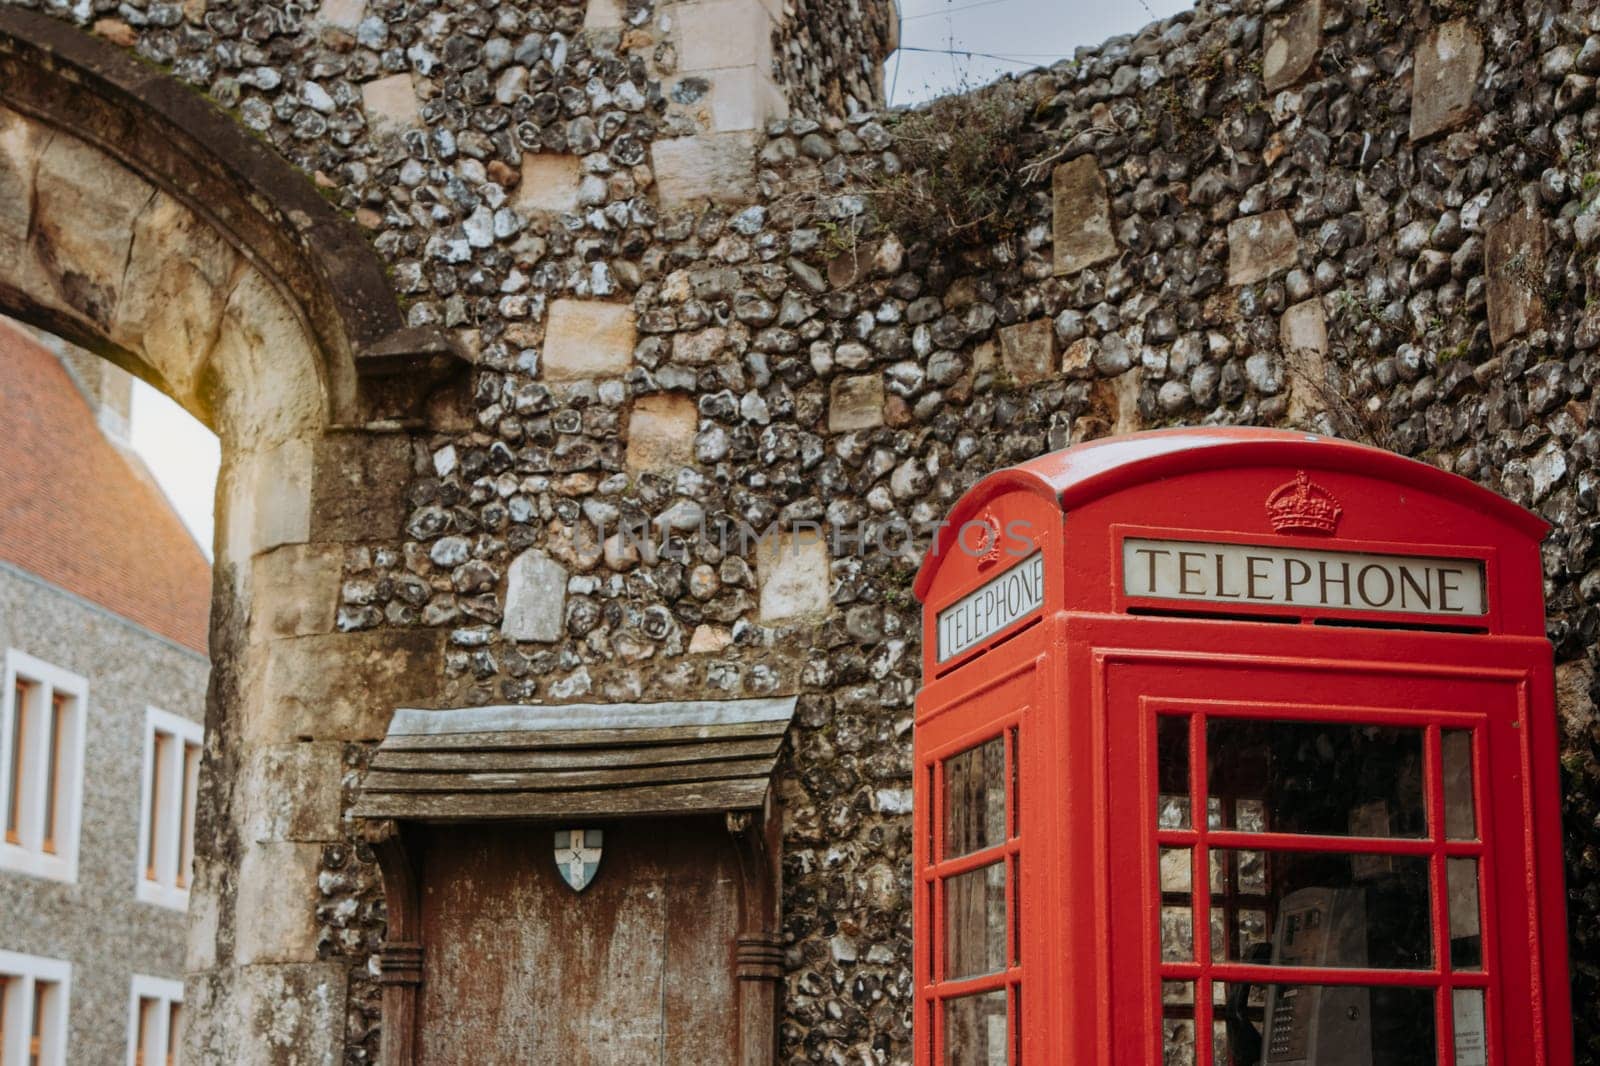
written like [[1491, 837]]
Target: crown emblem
[[989, 552], [1301, 507]]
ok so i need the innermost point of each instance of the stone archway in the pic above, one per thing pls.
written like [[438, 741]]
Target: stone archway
[[139, 223]]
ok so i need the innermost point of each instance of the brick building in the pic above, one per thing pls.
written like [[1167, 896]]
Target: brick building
[[104, 600]]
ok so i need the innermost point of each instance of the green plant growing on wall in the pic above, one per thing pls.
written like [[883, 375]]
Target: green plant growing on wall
[[964, 175]]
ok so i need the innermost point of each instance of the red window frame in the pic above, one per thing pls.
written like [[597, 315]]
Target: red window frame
[[1007, 696], [1442, 979], [1500, 837]]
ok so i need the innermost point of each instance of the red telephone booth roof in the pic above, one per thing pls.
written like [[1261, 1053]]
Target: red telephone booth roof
[[1088, 471]]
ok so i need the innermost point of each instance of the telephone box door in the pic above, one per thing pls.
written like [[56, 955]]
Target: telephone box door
[[1307, 865]]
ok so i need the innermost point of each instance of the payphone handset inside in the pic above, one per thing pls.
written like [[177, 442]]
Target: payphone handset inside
[[1320, 1025]]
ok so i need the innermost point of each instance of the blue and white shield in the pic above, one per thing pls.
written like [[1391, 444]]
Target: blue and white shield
[[578, 855]]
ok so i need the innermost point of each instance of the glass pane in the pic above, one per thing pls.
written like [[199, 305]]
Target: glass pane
[[1240, 933], [975, 1030], [1355, 1024], [1319, 777], [1472, 1039], [1177, 934], [975, 799], [975, 922], [1341, 910], [1460, 821], [1177, 870], [1172, 772], [1016, 787], [1177, 1024], [1016, 1025], [1016, 910], [1466, 938]]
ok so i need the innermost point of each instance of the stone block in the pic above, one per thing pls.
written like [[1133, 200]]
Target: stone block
[[293, 1016], [275, 919], [1448, 62], [85, 206], [709, 639], [1083, 234], [715, 166], [342, 14], [549, 183], [391, 103], [294, 591], [661, 431], [603, 15], [793, 575], [263, 341], [700, 348], [536, 599], [1303, 335], [714, 34], [588, 339], [1260, 246], [19, 147], [179, 275], [1304, 327], [1113, 408], [1514, 255], [1028, 350], [359, 486], [1291, 45], [742, 98], [292, 793], [855, 402], [268, 499], [344, 686]]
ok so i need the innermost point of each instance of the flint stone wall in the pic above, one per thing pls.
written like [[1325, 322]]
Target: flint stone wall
[[1338, 253]]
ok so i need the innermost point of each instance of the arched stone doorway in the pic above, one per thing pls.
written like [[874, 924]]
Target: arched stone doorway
[[139, 223]]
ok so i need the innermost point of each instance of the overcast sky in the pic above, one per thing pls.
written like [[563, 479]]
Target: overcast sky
[[989, 37], [1013, 35]]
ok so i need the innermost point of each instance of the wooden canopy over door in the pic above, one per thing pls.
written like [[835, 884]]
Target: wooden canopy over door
[[671, 955]]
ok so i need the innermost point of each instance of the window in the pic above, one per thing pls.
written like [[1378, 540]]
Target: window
[[166, 818], [1328, 899], [973, 884], [41, 767], [33, 1010], [155, 1022]]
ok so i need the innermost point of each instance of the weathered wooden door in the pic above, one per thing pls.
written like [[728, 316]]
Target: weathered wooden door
[[637, 969]]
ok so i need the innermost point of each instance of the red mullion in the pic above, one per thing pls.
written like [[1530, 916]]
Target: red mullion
[[975, 860], [1256, 973], [1401, 718], [973, 986], [1012, 736], [1489, 974], [934, 901], [1439, 898], [1200, 889], [1226, 838]]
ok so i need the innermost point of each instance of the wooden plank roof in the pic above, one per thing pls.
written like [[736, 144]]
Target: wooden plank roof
[[576, 760]]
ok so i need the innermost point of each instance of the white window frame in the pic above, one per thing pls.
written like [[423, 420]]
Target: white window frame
[[28, 856], [166, 993], [28, 971], [165, 890]]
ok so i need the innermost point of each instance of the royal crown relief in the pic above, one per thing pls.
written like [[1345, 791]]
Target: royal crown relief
[[1279, 575]]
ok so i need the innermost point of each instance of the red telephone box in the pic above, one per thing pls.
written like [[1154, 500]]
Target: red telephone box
[[1237, 748]]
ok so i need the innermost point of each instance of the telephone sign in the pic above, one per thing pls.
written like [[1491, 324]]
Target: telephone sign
[[996, 605], [1240, 751], [1259, 573]]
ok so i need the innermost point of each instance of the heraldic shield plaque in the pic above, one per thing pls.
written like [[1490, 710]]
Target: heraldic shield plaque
[[578, 855]]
